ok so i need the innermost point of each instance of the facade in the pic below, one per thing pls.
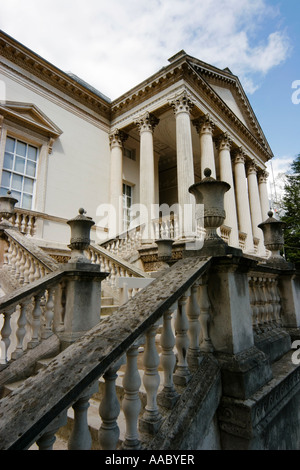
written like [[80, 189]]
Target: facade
[[65, 145]]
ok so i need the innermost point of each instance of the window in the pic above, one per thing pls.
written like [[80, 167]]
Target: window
[[19, 171], [127, 202], [129, 153]]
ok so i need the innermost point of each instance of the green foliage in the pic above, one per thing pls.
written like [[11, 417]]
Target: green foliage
[[291, 205]]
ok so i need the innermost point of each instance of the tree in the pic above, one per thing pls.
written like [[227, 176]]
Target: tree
[[291, 208]]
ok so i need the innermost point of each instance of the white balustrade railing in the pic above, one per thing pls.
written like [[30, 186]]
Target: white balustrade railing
[[265, 302], [24, 260], [137, 371], [25, 222], [25, 322]]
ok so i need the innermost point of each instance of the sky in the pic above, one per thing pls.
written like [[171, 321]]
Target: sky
[[114, 45]]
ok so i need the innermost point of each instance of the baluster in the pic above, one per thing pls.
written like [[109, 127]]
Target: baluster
[[22, 267], [182, 374], [26, 269], [264, 298], [13, 257], [49, 314], [109, 410], [131, 403], [6, 335], [258, 305], [80, 438], [37, 270], [206, 344], [21, 330], [24, 224], [48, 438], [253, 306], [31, 270], [18, 262], [193, 313], [7, 254], [151, 419], [61, 304], [36, 321], [168, 396], [277, 303]]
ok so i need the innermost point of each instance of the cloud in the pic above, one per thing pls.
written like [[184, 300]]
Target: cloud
[[115, 45]]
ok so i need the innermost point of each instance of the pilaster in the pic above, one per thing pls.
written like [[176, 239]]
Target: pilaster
[[116, 140]]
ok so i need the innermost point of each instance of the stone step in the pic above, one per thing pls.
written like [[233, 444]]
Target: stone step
[[108, 309], [107, 301]]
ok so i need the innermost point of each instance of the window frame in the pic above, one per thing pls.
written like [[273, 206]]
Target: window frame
[[125, 221], [22, 174], [36, 130]]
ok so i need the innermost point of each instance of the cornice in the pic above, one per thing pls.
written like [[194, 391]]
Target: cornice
[[238, 92], [227, 114], [183, 70], [39, 67]]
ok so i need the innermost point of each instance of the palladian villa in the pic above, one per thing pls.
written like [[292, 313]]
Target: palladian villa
[[139, 227]]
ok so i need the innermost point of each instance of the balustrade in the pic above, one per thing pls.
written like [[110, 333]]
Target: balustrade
[[265, 303], [26, 323]]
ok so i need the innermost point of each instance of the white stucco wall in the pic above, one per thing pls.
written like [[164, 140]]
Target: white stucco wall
[[79, 165]]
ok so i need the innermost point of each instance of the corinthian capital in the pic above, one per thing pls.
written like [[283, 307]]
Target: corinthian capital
[[146, 122], [239, 156], [224, 142], [204, 124], [182, 103], [117, 138], [263, 176], [252, 168]]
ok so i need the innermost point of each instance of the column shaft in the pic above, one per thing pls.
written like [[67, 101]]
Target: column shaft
[[229, 197], [185, 164], [243, 208], [255, 207], [146, 124], [263, 194], [205, 128]]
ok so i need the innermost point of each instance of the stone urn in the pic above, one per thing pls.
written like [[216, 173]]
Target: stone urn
[[210, 193], [273, 236], [7, 208], [80, 236]]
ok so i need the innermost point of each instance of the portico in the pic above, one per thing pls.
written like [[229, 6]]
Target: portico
[[176, 136]]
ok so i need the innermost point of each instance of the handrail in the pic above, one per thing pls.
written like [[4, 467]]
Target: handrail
[[129, 268], [23, 260], [101, 347]]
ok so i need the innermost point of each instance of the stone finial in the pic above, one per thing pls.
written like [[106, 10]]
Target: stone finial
[[273, 237], [7, 208], [80, 236], [210, 193]]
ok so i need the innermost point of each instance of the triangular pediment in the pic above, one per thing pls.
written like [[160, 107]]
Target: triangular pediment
[[229, 90], [29, 115]]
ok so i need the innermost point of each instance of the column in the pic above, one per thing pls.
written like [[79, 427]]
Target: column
[[242, 201], [146, 124], [116, 139], [263, 194], [205, 128], [229, 197], [254, 201], [182, 105]]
